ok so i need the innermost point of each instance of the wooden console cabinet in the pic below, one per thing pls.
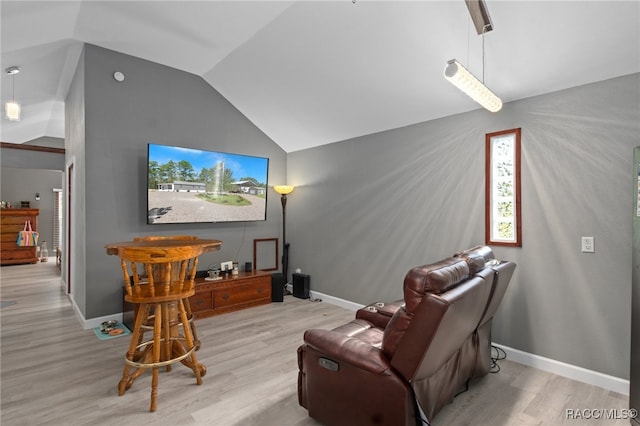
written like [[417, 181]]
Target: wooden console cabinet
[[13, 222], [228, 294], [231, 293]]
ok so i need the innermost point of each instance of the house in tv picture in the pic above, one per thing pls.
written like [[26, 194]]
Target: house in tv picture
[[179, 186], [248, 187]]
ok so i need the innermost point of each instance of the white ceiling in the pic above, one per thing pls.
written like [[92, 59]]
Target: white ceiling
[[308, 73]]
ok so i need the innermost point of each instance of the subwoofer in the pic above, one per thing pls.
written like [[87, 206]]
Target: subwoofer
[[301, 285], [277, 287]]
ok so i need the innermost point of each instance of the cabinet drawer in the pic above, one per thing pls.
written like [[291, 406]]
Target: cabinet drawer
[[241, 293], [19, 253], [17, 222], [9, 238], [230, 293], [201, 302]]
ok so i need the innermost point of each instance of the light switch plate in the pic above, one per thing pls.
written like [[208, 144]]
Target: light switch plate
[[588, 245]]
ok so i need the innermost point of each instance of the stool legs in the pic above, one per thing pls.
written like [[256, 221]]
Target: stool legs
[[166, 347], [166, 328], [132, 354], [192, 318], [198, 369], [157, 339]]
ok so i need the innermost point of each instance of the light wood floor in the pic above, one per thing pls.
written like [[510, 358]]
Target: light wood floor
[[53, 372]]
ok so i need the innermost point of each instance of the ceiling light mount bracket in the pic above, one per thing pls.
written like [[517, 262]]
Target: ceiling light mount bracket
[[480, 16], [13, 70]]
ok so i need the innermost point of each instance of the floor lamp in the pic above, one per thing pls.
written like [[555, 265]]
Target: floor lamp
[[283, 190]]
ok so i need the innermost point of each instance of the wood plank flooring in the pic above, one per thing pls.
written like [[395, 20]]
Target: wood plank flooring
[[55, 373]]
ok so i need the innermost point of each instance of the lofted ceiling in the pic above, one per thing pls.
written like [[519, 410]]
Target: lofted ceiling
[[309, 73]]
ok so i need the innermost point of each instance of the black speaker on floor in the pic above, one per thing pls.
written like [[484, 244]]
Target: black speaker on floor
[[277, 287], [301, 286]]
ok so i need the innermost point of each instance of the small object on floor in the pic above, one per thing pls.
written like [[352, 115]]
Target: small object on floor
[[109, 326], [110, 330]]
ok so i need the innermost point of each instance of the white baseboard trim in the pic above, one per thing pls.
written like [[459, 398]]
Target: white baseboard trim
[[88, 324], [573, 372], [336, 301], [331, 299]]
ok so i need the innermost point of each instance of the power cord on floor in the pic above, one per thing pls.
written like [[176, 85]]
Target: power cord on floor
[[500, 355], [288, 292]]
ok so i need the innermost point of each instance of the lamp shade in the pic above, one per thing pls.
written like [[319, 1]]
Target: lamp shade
[[283, 189], [12, 110], [460, 77]]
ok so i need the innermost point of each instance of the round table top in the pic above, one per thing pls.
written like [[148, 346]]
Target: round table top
[[202, 245]]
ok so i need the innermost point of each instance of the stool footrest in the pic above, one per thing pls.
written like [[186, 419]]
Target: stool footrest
[[160, 363]]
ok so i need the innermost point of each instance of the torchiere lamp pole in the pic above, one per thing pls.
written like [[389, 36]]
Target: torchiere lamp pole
[[283, 190]]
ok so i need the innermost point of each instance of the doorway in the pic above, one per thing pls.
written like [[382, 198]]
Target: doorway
[[69, 210]]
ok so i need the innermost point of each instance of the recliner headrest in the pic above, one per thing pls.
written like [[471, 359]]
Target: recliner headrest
[[434, 278], [477, 257], [475, 261]]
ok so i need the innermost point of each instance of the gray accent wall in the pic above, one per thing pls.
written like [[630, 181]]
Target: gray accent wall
[[109, 127], [366, 210], [24, 159]]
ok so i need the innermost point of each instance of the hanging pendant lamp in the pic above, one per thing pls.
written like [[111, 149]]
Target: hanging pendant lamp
[[460, 77], [12, 108]]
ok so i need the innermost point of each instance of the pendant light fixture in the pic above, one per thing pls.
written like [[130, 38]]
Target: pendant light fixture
[[462, 78], [12, 108]]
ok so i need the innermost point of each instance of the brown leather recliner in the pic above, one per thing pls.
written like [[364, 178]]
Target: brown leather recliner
[[398, 363]]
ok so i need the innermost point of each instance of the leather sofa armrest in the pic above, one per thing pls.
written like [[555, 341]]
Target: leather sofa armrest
[[379, 314], [341, 348]]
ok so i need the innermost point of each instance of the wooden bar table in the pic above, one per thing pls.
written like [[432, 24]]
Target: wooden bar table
[[159, 276]]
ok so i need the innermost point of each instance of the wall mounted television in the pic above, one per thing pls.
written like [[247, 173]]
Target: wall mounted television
[[187, 185]]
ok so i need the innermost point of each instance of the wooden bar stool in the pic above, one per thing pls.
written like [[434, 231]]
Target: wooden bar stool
[[187, 306], [158, 279]]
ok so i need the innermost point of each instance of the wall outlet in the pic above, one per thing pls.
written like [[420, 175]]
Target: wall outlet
[[588, 245]]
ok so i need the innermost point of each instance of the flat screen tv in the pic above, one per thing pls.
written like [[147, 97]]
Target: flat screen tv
[[187, 185]]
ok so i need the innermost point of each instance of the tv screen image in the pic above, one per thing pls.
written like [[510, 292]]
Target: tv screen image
[[186, 185]]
